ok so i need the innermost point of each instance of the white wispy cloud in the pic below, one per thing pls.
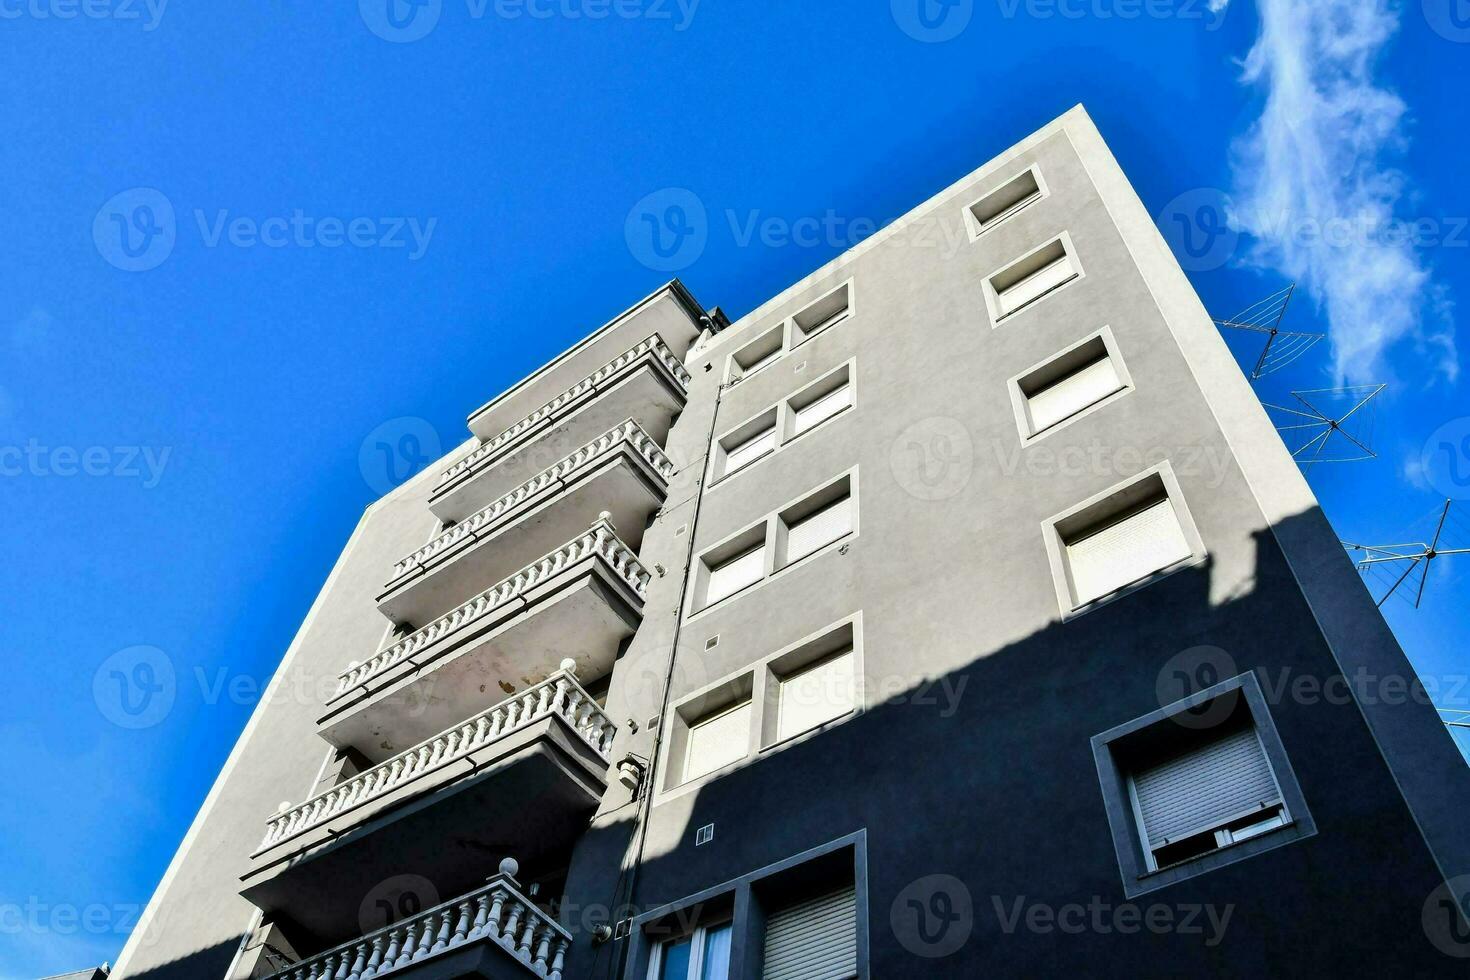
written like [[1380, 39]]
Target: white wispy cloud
[[1317, 191]]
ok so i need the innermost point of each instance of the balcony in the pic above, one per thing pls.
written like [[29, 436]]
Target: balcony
[[622, 471], [578, 601], [646, 383], [493, 933], [523, 775]]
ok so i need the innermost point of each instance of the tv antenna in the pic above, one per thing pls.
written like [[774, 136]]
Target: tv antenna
[[1309, 429], [1282, 346], [1382, 563]]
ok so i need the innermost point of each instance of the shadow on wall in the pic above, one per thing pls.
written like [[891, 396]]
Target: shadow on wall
[[206, 964], [989, 850]]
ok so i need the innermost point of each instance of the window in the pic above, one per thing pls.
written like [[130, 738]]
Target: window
[[1198, 784], [1030, 278], [1205, 796], [748, 443], [823, 400], [1070, 383], [704, 955], [813, 940], [717, 741], [1131, 548], [1015, 194], [734, 574], [759, 353], [1122, 539], [823, 517], [816, 694], [824, 312], [816, 523]]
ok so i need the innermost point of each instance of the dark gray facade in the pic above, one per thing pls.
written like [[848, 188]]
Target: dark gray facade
[[972, 794]]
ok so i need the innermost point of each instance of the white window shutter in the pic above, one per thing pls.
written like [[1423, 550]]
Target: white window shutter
[[1204, 789], [814, 940], [1046, 278], [750, 450], [819, 530], [1071, 394], [821, 410], [816, 694], [717, 741], [736, 574], [1124, 552]]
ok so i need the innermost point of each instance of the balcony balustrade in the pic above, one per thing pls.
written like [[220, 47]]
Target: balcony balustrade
[[480, 934], [622, 471], [647, 382]]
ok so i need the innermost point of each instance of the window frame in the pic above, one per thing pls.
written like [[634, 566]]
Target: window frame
[[742, 896], [769, 532], [992, 295], [783, 414], [1021, 401], [978, 228], [698, 939], [758, 683], [1094, 509], [1138, 877]]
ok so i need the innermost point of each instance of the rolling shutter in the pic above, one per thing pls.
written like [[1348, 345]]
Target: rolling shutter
[[816, 694], [736, 574], [1126, 551], [1048, 277], [1201, 790], [815, 940], [750, 450], [821, 410], [1070, 395], [818, 530], [717, 741]]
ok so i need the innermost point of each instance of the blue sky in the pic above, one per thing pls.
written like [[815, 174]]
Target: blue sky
[[245, 245]]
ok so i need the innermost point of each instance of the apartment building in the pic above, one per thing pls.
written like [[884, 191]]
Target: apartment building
[[947, 615]]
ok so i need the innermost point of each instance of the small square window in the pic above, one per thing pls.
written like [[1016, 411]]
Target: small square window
[[759, 353], [825, 312], [747, 444], [820, 401], [717, 740], [1198, 784], [1031, 277], [737, 572], [1015, 194], [1122, 540], [825, 517], [815, 694], [702, 955], [1069, 384]]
